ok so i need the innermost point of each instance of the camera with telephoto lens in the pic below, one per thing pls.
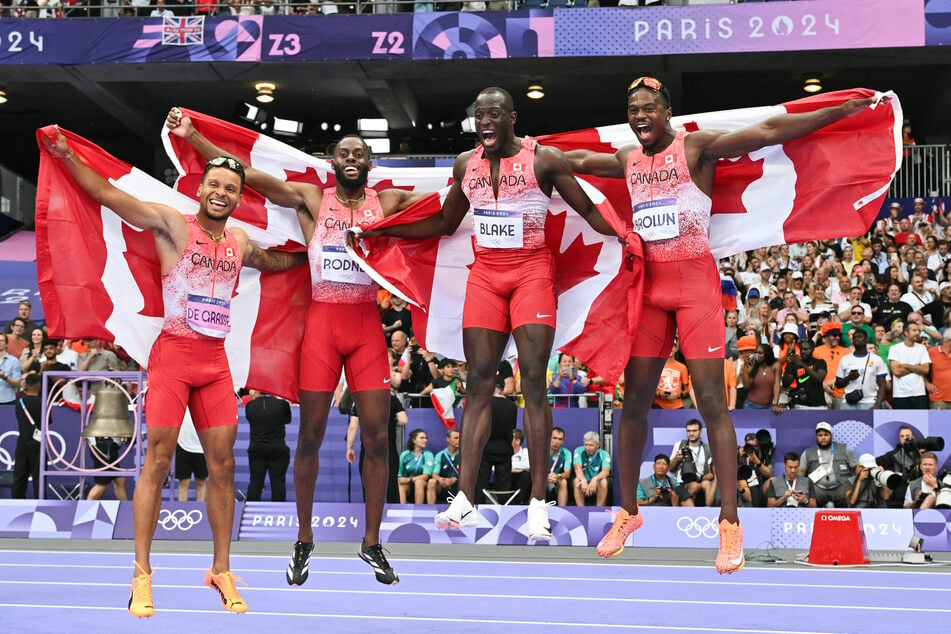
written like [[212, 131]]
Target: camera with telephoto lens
[[943, 496], [931, 443], [688, 470], [884, 478]]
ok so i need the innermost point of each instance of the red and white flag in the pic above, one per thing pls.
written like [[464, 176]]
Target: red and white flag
[[825, 185], [593, 284], [100, 277]]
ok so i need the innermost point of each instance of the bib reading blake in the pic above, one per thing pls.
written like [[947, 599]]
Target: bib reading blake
[[657, 219], [337, 266], [208, 315], [498, 228]]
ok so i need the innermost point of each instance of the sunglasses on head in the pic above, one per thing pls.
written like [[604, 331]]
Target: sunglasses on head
[[645, 82], [226, 161]]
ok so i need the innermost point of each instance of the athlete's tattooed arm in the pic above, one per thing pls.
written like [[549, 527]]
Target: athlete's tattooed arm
[[266, 260]]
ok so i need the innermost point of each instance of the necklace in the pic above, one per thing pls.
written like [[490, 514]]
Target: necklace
[[347, 201], [217, 238]]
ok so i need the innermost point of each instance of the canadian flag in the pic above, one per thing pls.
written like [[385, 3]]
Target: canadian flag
[[825, 185], [99, 277]]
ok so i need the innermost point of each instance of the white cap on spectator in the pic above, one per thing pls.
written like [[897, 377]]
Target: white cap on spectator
[[824, 426], [943, 285], [791, 329], [895, 204], [764, 267], [797, 275], [920, 200], [867, 460]]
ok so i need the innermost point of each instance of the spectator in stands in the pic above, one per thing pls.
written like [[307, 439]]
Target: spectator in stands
[[10, 374], [802, 379], [763, 285], [268, 453], [29, 427], [24, 309], [791, 306], [922, 491], [559, 468], [417, 366], [16, 340], [397, 317], [831, 466], [866, 492], [929, 335], [731, 320], [917, 295], [854, 299], [448, 378], [592, 467], [660, 488], [939, 384], [701, 489], [788, 342], [791, 489], [729, 382], [66, 355], [674, 384], [910, 364], [31, 355], [861, 375], [445, 478], [856, 321], [521, 477], [416, 466], [935, 313], [190, 461], [893, 307], [161, 10], [760, 374], [895, 335], [497, 453], [567, 382], [96, 359]]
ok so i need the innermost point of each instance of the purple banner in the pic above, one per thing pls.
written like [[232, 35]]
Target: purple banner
[[937, 22], [747, 27], [483, 35], [58, 519], [176, 521], [332, 522], [934, 527]]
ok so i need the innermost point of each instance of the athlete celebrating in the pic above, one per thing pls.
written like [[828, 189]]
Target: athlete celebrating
[[343, 331], [670, 180], [508, 182], [200, 261]]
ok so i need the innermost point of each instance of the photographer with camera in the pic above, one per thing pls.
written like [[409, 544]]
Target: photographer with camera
[[757, 459], [802, 379], [691, 463], [660, 489], [791, 489], [831, 466], [873, 485], [862, 375], [905, 460], [922, 491]]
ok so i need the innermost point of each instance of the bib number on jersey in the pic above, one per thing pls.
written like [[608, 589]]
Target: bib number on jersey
[[208, 315], [336, 265], [657, 219], [498, 229]]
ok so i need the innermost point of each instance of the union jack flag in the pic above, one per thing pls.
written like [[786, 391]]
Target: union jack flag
[[183, 31]]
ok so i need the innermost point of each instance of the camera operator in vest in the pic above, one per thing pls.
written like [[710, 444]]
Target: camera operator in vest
[[691, 463], [759, 461], [922, 491], [905, 460], [660, 489], [830, 465], [873, 485]]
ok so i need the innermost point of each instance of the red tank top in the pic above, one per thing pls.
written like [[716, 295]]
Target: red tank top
[[516, 219], [670, 212], [197, 291], [334, 277]]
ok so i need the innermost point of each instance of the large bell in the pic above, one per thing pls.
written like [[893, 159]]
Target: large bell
[[110, 415]]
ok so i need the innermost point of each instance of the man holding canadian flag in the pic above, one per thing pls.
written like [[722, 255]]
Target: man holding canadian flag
[[670, 178]]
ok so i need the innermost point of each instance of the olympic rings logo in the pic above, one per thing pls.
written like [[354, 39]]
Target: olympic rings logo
[[179, 519], [695, 528], [8, 456]]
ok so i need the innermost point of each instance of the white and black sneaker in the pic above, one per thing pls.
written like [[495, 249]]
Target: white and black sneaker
[[374, 556], [460, 513], [299, 568], [539, 529]]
